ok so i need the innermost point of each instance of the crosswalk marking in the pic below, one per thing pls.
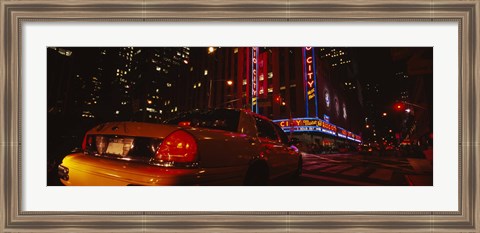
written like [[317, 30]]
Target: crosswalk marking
[[420, 165], [354, 171], [337, 168], [318, 167], [360, 170]]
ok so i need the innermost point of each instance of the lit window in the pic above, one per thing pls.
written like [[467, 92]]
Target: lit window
[[244, 82], [117, 112], [270, 89], [205, 72], [235, 50], [199, 84]]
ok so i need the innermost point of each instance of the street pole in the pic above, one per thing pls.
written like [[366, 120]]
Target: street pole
[[415, 105], [291, 124], [210, 95]]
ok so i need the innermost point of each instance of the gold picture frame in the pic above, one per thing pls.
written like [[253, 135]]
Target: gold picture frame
[[15, 12]]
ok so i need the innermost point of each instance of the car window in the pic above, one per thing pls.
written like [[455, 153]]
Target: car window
[[265, 129], [222, 119], [283, 135]]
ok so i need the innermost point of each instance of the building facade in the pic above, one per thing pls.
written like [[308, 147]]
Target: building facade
[[310, 92]]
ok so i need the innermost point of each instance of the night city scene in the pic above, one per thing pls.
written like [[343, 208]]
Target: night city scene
[[233, 116]]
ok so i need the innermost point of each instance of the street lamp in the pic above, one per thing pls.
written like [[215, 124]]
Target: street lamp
[[211, 50]]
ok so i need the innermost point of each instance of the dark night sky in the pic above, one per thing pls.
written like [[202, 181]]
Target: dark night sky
[[374, 65]]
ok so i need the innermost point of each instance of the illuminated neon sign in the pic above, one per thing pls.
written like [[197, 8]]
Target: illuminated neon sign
[[310, 82], [316, 125], [254, 79]]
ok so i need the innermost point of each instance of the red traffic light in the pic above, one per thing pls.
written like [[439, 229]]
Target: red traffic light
[[278, 99], [399, 106]]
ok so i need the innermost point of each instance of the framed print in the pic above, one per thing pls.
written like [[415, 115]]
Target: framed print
[[373, 108]]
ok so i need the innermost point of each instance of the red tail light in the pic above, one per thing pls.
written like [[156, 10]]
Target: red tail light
[[184, 123], [179, 146]]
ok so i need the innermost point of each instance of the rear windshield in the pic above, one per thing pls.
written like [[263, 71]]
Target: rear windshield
[[222, 119]]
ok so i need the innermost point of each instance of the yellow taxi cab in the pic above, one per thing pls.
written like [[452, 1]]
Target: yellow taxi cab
[[214, 147]]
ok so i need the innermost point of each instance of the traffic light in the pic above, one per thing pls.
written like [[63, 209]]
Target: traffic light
[[399, 106], [278, 99]]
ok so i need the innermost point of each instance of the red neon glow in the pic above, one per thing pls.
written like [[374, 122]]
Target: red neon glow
[[254, 75], [310, 75], [310, 84]]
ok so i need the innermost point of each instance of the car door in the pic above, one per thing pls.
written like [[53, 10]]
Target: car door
[[290, 157], [272, 149]]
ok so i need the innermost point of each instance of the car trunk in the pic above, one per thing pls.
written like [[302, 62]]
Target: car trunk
[[132, 141]]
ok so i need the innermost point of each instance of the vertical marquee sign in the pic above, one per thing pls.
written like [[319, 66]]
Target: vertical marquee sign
[[254, 79], [310, 82], [262, 62]]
